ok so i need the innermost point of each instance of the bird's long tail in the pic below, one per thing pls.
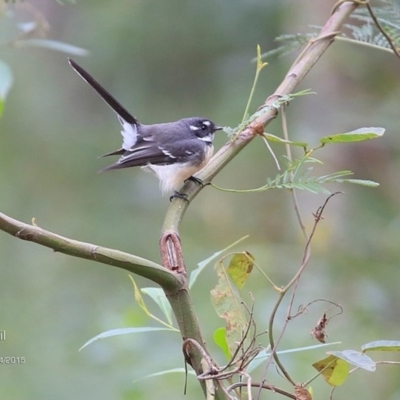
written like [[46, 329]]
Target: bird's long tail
[[110, 100]]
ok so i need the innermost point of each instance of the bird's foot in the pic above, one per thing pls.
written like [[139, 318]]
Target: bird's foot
[[197, 180], [179, 195]]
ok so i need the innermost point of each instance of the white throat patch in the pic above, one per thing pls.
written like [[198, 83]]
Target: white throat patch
[[208, 139]]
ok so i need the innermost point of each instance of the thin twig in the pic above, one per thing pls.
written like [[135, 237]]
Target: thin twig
[[289, 156], [379, 26], [294, 281], [263, 386]]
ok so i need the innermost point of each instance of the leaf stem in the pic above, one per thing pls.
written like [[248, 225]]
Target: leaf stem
[[259, 67]]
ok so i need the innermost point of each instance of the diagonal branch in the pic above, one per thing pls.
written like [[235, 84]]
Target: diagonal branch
[[300, 68]]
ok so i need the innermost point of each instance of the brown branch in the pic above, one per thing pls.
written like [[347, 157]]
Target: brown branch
[[300, 68], [263, 386], [294, 281]]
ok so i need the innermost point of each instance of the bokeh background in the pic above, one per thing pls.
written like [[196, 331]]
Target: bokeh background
[[165, 60]]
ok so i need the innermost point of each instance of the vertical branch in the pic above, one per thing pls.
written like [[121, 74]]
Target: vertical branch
[[183, 308], [171, 253], [171, 248]]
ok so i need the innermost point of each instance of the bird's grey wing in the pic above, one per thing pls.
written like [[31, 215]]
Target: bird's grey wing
[[185, 150], [142, 154]]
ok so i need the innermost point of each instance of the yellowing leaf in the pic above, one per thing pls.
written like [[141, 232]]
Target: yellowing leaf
[[240, 268], [334, 370], [228, 305]]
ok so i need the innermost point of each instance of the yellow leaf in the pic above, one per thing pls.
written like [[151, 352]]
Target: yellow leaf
[[334, 370], [228, 305], [240, 268]]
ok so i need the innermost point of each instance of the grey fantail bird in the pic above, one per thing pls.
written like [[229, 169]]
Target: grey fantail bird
[[173, 151]]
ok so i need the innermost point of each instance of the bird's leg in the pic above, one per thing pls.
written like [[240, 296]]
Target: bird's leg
[[184, 196], [179, 195], [197, 180]]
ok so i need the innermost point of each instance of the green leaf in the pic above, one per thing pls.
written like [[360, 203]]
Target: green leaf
[[6, 81], [334, 370], [158, 295], [228, 305], [124, 331], [202, 264], [359, 135], [382, 345], [297, 176], [240, 268], [139, 299], [220, 339], [277, 139], [361, 182], [355, 358]]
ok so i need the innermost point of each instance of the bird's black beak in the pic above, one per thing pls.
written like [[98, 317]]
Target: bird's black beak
[[218, 128]]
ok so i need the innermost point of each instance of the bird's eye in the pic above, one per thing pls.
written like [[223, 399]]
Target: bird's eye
[[204, 127]]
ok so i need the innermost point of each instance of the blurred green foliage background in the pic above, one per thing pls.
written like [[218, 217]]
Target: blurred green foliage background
[[166, 60]]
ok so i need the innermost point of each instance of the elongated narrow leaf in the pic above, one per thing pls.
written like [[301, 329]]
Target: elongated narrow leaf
[[139, 299], [355, 358], [53, 45], [359, 135], [382, 345], [158, 295], [277, 139], [228, 305], [361, 182], [240, 268], [334, 370], [124, 331], [166, 372]]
